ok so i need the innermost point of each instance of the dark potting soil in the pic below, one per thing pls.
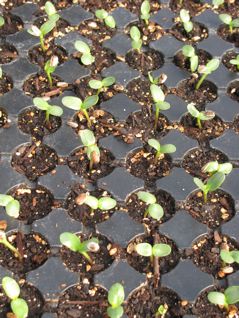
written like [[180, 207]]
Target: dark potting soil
[[206, 254], [3, 117], [93, 5], [224, 32], [78, 162], [219, 208], [143, 264], [194, 7], [134, 5], [33, 121], [8, 53], [12, 24], [96, 30], [34, 160], [35, 203], [229, 55], [6, 84], [183, 62], [100, 260], [236, 124], [233, 90], [198, 33], [196, 158], [83, 300], [33, 247]]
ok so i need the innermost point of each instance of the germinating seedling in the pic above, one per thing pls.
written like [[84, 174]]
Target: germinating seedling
[[229, 297], [103, 203], [207, 69], [50, 68], [12, 290], [100, 85], [53, 110], [47, 27], [161, 149], [212, 184], [157, 250], [162, 310], [189, 52], [153, 80], [73, 242], [145, 11], [213, 167], [154, 209], [235, 62], [229, 257], [51, 11], [92, 150], [104, 16], [11, 205], [136, 41], [4, 241], [116, 298], [217, 3], [81, 106], [2, 21], [200, 116], [159, 101], [227, 19], [1, 73], [185, 19], [87, 58]]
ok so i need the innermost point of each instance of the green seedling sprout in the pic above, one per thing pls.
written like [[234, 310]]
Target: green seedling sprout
[[217, 3], [154, 209], [162, 310], [50, 67], [53, 110], [145, 11], [81, 106], [212, 184], [227, 19], [229, 257], [11, 205], [153, 80], [229, 297], [104, 16], [116, 298], [213, 167], [160, 149], [103, 203], [100, 85], [51, 11], [157, 250], [1, 73], [92, 150], [73, 242], [200, 116], [189, 52], [2, 21], [47, 27], [207, 69], [159, 101], [12, 290], [235, 62], [4, 241], [185, 19], [135, 35], [87, 58]]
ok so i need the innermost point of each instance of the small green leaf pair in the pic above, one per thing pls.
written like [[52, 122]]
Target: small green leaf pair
[[86, 58], [189, 52], [103, 203], [214, 166], [12, 290], [11, 205], [136, 41], [92, 150], [51, 11], [235, 62], [200, 116], [160, 149], [145, 11], [116, 298], [227, 19], [100, 85], [229, 257], [185, 19], [7, 244], [154, 209], [53, 110], [207, 69], [46, 28], [104, 16], [217, 3], [229, 297], [157, 250]]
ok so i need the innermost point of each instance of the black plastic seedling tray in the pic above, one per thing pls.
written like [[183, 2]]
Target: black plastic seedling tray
[[52, 277]]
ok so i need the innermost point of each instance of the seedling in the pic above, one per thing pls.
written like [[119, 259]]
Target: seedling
[[229, 257], [104, 16], [51, 11], [235, 62], [157, 250], [200, 116], [145, 11], [136, 40], [73, 242], [50, 67], [1, 73], [77, 104], [162, 310], [92, 150], [103, 203], [161, 149], [153, 80], [227, 19], [207, 69], [212, 184], [86, 58], [229, 297], [11, 205], [12, 290], [116, 297], [47, 27], [154, 209], [214, 167], [53, 110], [217, 3], [189, 52], [2, 21], [185, 19], [159, 100], [100, 85], [4, 241]]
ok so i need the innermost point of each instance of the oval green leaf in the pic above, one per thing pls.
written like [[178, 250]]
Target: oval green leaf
[[19, 308], [144, 249], [10, 287], [71, 241], [155, 210], [107, 203], [116, 295], [72, 102], [161, 250], [146, 197]]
